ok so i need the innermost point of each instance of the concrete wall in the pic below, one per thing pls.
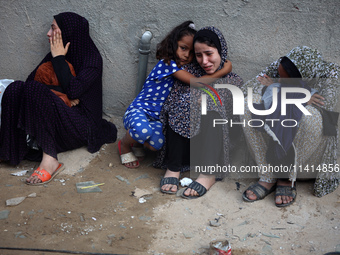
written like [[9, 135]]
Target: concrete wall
[[257, 32]]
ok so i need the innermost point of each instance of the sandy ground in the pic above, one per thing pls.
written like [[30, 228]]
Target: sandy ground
[[115, 221]]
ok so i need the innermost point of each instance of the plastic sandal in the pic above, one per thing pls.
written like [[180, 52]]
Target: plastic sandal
[[127, 157], [260, 192], [199, 188], [285, 191], [45, 176], [169, 180]]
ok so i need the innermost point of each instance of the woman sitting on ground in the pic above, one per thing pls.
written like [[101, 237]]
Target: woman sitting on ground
[[31, 109], [309, 145], [191, 138]]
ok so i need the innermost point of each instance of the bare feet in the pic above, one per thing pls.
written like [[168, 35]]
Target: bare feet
[[283, 199], [206, 180], [48, 163], [250, 195], [171, 187]]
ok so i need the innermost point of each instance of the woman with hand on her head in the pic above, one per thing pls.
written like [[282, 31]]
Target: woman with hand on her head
[[191, 138], [38, 111]]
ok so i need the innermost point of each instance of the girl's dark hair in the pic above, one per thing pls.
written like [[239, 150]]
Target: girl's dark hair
[[167, 48]]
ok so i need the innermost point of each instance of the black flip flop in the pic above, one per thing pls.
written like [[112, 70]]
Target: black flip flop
[[260, 192], [169, 180], [199, 188]]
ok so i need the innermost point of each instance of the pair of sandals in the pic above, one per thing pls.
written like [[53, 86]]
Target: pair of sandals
[[199, 188], [135, 155], [261, 192]]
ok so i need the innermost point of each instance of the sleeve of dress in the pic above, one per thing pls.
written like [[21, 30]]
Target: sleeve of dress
[[62, 70], [162, 70]]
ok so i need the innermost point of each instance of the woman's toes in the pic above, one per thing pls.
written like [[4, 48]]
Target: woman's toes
[[250, 195]]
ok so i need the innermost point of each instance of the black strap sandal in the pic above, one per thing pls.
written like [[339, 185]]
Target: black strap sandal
[[260, 192], [199, 188], [285, 191], [169, 180]]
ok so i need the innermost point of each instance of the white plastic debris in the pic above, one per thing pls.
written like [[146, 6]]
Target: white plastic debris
[[185, 181], [32, 195], [20, 173], [142, 200], [14, 201]]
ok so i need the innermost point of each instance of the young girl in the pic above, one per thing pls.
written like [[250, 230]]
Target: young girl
[[141, 119]]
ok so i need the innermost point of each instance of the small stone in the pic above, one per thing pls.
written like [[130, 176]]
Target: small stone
[[214, 223], [188, 235], [14, 201], [144, 218], [4, 214]]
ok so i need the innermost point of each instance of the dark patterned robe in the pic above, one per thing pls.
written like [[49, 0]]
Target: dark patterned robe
[[31, 108]]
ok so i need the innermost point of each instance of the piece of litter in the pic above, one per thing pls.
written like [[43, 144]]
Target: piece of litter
[[14, 201], [20, 173], [270, 235], [122, 179], [32, 195], [93, 218], [92, 186], [214, 223], [4, 214], [185, 181], [142, 200], [110, 165], [143, 176], [141, 192]]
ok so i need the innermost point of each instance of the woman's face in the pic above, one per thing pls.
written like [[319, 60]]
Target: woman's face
[[54, 27], [207, 57], [282, 72], [184, 52]]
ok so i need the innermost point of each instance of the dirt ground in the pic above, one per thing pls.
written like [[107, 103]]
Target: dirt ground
[[116, 221]]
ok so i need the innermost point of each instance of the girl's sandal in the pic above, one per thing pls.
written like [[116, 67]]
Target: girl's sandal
[[127, 157]]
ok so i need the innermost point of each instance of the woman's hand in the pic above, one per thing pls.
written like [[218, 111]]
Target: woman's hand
[[57, 46], [316, 99], [74, 102], [265, 80]]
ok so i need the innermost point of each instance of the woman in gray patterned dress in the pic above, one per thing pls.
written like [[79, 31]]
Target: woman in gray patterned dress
[[313, 150]]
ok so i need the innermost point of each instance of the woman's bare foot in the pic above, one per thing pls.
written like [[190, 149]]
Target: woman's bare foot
[[283, 199], [170, 187], [48, 163], [206, 180], [250, 195]]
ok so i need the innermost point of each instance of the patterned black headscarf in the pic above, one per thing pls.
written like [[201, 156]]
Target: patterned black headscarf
[[195, 68], [75, 29]]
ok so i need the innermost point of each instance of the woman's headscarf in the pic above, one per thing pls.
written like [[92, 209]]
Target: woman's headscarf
[[75, 29], [195, 67]]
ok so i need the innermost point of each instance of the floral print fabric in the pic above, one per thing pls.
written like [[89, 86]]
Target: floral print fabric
[[312, 147]]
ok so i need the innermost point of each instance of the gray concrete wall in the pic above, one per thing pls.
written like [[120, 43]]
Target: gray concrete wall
[[257, 32]]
